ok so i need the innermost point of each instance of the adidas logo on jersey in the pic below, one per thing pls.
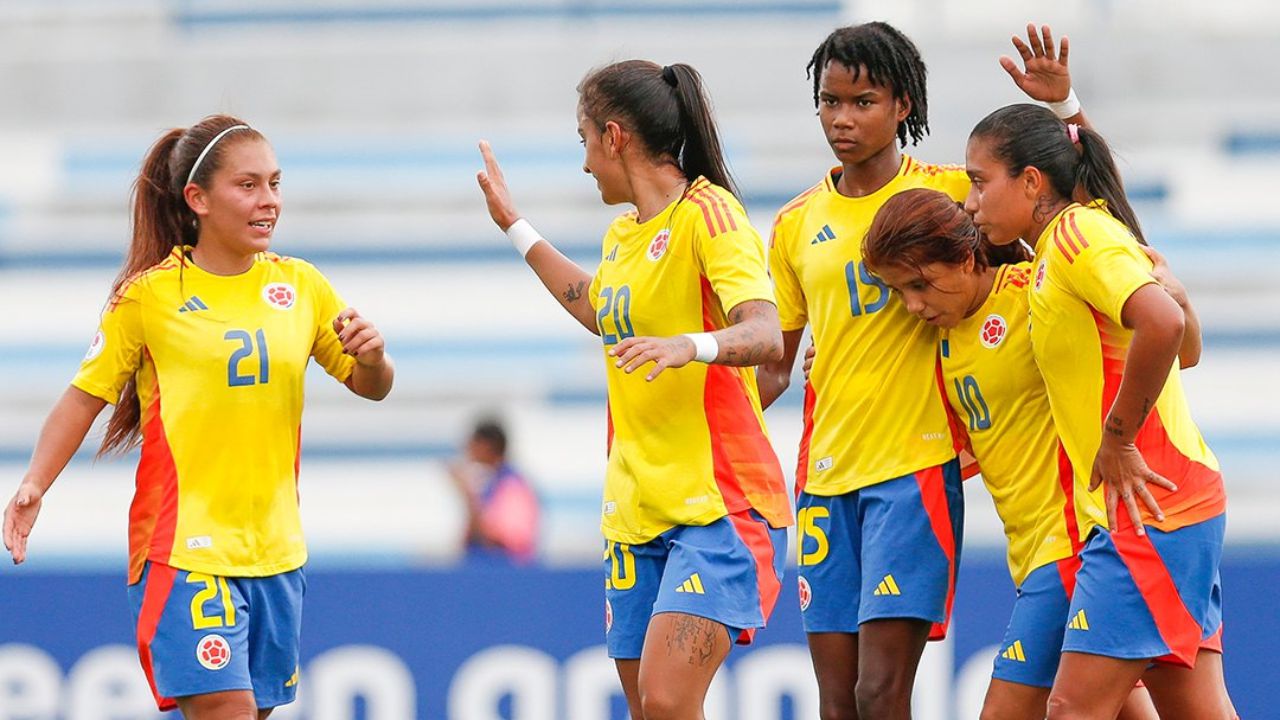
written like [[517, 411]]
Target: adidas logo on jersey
[[887, 586], [692, 585], [1014, 652], [1079, 622], [823, 236], [613, 254], [193, 305]]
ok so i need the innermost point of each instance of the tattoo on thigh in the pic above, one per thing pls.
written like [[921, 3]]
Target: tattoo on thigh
[[693, 638]]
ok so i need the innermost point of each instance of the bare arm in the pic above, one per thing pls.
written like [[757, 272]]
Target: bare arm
[[374, 372], [773, 378], [1045, 75], [61, 436], [566, 281], [1158, 326], [1189, 352], [753, 337]]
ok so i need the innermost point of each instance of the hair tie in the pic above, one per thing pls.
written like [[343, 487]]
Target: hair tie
[[200, 158], [1073, 132], [669, 75]]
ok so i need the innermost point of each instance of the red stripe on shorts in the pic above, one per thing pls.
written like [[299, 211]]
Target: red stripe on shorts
[[1177, 628], [154, 598], [933, 495], [755, 535]]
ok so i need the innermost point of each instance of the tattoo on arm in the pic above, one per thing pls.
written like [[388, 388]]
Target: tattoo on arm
[[572, 293], [747, 342], [1115, 426]]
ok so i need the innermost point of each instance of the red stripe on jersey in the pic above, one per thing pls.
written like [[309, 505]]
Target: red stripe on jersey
[[1200, 494], [706, 214], [806, 437], [724, 220], [153, 515], [297, 465], [1075, 230], [608, 440], [1177, 627], [154, 598], [802, 198], [906, 166], [1061, 228], [745, 467], [1066, 480], [728, 211], [1057, 240], [755, 535], [933, 495], [1067, 569]]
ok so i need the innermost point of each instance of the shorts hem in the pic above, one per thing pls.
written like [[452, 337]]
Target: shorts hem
[[1028, 682]]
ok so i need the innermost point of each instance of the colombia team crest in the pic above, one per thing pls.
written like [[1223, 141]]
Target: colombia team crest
[[658, 246], [213, 652], [806, 594], [95, 347], [281, 296], [994, 328], [608, 616]]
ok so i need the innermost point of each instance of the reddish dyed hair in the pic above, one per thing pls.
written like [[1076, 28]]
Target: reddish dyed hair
[[919, 227]]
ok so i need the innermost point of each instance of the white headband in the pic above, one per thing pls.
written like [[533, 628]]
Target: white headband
[[207, 148]]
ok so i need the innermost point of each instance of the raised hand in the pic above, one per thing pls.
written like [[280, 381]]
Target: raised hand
[[494, 185], [1044, 75], [359, 338]]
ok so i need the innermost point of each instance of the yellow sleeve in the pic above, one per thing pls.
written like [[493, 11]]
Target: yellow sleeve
[[116, 352], [1107, 272], [792, 309], [327, 348], [733, 262]]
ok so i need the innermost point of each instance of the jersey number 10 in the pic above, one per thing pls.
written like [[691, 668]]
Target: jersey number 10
[[246, 350]]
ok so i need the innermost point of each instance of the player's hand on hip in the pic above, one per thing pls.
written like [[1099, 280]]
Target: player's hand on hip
[[809, 355], [1123, 472], [359, 338], [494, 185], [1044, 75], [635, 352], [19, 517]]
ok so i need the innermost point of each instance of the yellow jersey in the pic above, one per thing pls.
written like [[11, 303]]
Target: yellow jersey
[[872, 408], [1087, 265], [689, 447], [218, 362], [994, 387]]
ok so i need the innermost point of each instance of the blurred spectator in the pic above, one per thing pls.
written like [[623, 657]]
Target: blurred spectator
[[502, 509]]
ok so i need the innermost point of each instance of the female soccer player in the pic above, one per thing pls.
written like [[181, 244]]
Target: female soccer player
[[203, 349], [927, 250], [695, 504], [880, 509], [1105, 336]]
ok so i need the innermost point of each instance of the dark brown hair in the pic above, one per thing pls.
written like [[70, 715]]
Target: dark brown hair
[[162, 221], [919, 227], [666, 107]]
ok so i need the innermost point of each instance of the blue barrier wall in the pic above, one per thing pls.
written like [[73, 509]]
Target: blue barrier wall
[[485, 643]]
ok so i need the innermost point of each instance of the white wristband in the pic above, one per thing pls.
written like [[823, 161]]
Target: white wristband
[[705, 347], [523, 236], [1067, 107]]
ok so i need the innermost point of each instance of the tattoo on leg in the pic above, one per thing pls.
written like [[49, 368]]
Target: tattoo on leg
[[693, 638]]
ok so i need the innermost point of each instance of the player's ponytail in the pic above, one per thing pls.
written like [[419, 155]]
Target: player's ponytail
[[919, 227], [161, 221], [666, 108], [1076, 160]]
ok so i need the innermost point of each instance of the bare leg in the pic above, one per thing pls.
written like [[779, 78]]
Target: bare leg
[[1092, 687], [1138, 706], [1183, 694], [835, 663], [228, 705], [1014, 701], [629, 674], [680, 658], [888, 656]]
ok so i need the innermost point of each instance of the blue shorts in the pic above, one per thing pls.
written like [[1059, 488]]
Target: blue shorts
[[1033, 642], [1157, 596], [200, 634], [729, 571], [889, 550]]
